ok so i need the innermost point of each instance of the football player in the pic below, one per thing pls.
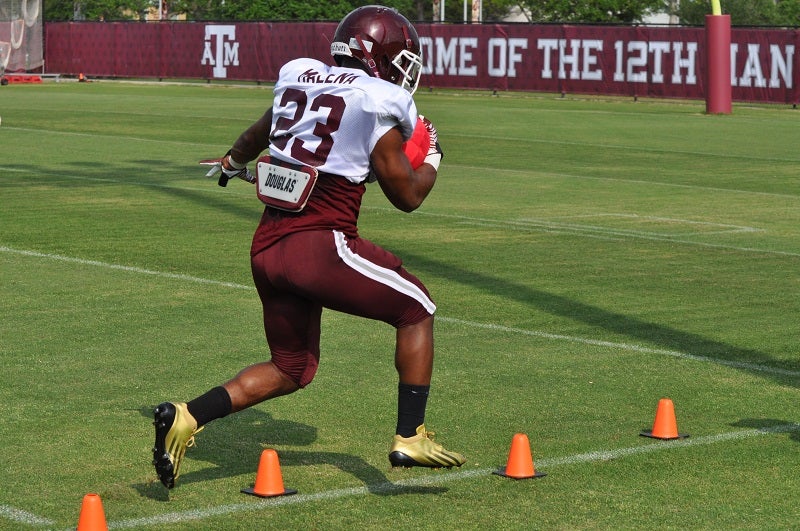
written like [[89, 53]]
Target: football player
[[330, 130]]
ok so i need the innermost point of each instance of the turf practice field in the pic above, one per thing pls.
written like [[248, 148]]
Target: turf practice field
[[589, 257]]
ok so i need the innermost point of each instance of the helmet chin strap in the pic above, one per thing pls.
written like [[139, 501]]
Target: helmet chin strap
[[368, 56]]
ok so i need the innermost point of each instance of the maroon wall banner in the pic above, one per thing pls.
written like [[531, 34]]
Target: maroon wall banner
[[666, 62]]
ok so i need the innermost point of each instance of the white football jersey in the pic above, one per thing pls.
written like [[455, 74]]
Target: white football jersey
[[330, 117]]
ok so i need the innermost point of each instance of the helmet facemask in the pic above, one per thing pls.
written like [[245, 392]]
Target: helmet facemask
[[410, 66]]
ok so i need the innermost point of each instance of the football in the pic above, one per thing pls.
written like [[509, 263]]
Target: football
[[416, 148]]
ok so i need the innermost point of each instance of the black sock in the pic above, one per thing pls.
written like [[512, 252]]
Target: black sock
[[214, 404], [411, 403]]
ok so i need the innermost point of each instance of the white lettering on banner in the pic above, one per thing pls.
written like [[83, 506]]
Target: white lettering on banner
[[426, 49], [633, 67], [634, 61], [590, 60], [658, 49], [445, 56], [568, 58], [507, 56], [226, 52], [687, 63], [465, 53], [579, 55], [752, 74], [548, 45], [453, 57], [782, 64]]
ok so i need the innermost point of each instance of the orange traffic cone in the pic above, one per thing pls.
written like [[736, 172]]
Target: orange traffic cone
[[520, 460], [81, 78], [269, 480], [92, 517], [665, 425]]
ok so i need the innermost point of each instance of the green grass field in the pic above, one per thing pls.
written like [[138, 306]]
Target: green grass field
[[588, 257]]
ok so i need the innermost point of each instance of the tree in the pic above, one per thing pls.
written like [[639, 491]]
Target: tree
[[789, 13], [331, 10], [57, 10], [593, 11], [223, 9], [281, 10], [690, 12], [743, 12], [96, 10], [197, 9]]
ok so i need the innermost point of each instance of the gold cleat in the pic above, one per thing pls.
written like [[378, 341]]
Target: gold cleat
[[175, 431], [420, 450]]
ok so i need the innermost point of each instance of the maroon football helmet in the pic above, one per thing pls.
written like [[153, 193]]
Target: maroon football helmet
[[382, 40]]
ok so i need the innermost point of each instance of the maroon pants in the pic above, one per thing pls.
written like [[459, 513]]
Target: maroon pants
[[307, 271]]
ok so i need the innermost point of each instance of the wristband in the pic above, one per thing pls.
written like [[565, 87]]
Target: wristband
[[433, 159], [235, 165]]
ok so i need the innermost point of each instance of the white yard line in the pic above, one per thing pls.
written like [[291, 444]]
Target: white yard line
[[472, 324], [623, 346], [526, 140], [23, 517], [129, 269], [19, 516], [587, 231], [440, 478]]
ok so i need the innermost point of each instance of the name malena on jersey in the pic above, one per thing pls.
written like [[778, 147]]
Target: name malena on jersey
[[312, 76]]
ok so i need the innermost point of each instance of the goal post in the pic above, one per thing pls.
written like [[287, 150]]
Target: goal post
[[719, 93]]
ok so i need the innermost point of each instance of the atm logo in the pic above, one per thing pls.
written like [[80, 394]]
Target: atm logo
[[220, 49]]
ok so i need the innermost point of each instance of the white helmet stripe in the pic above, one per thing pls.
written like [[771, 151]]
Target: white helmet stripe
[[354, 44]]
